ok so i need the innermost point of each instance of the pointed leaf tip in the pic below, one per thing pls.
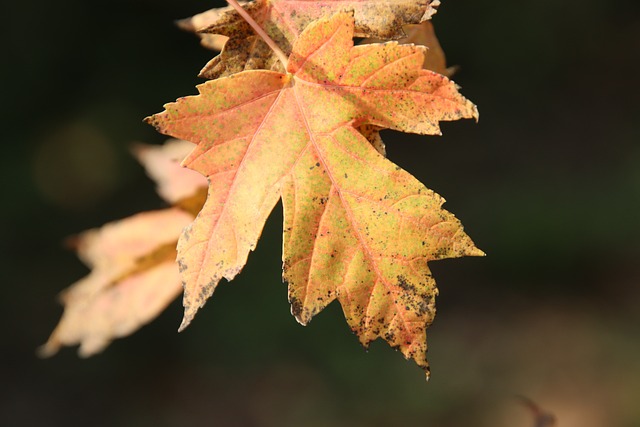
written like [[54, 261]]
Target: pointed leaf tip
[[184, 324]]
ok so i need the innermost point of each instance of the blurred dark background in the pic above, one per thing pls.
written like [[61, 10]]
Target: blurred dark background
[[547, 184]]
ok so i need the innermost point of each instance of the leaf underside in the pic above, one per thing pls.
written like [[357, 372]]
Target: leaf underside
[[284, 21]]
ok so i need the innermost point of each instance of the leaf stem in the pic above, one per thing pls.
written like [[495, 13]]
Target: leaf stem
[[268, 40]]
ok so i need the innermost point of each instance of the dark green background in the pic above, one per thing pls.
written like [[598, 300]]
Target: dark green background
[[548, 184]]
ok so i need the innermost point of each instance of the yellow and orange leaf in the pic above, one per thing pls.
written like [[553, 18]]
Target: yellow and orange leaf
[[134, 274], [424, 34], [181, 187], [356, 226], [284, 20], [120, 294]]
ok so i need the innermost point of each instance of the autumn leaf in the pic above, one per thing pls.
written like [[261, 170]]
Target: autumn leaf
[[178, 186], [421, 34], [134, 275], [424, 34], [356, 226], [284, 20], [120, 295], [202, 21]]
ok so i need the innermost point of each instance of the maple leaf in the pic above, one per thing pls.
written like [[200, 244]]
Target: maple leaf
[[424, 34], [180, 187], [202, 21], [284, 20], [356, 227], [134, 275]]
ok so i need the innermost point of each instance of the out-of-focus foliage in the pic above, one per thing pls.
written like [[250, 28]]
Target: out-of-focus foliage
[[134, 275]]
